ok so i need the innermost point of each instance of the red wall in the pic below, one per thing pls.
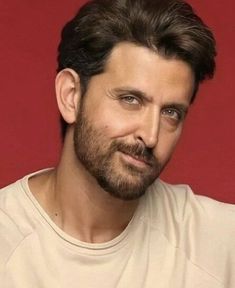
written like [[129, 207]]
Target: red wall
[[29, 33]]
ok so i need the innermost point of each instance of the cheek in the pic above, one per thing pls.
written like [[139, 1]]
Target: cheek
[[115, 129], [166, 145], [112, 124]]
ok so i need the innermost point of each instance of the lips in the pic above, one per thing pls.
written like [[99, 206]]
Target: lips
[[136, 154], [139, 158], [136, 160]]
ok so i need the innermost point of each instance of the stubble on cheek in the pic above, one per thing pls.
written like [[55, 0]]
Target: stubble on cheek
[[99, 155]]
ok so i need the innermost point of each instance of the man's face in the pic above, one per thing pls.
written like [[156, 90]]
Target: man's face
[[131, 118]]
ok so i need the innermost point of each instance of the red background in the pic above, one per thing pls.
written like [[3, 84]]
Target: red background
[[29, 33]]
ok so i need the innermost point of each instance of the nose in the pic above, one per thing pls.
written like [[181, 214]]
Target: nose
[[148, 128]]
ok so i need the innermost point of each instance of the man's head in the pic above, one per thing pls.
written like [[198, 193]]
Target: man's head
[[138, 65], [169, 27]]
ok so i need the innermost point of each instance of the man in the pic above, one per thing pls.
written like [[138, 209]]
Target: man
[[128, 72]]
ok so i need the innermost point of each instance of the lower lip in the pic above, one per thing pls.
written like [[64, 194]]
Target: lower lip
[[135, 162]]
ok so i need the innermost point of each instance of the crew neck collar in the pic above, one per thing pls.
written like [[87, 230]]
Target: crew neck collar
[[72, 242]]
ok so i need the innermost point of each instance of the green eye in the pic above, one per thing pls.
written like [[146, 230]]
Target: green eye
[[172, 113], [130, 100]]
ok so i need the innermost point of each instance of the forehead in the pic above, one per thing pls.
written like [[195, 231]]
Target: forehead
[[143, 69]]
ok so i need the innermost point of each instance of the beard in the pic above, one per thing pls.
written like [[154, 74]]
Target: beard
[[102, 159]]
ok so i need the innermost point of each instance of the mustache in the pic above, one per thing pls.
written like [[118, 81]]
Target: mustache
[[138, 151]]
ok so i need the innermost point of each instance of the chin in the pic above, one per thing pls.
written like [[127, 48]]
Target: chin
[[125, 190]]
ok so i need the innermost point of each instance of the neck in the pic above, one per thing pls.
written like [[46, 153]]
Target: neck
[[78, 205]]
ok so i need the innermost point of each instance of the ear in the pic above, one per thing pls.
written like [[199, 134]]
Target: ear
[[68, 94]]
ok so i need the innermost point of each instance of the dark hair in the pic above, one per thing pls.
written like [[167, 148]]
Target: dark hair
[[169, 27]]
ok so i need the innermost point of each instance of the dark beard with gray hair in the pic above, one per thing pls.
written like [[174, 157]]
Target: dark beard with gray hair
[[100, 158]]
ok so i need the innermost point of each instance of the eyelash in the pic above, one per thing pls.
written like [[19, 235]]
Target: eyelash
[[129, 99], [173, 110], [133, 98]]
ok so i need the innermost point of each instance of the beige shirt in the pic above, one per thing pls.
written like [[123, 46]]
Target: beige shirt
[[175, 240]]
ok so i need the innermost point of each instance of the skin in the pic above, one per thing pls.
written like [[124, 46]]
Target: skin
[[141, 97]]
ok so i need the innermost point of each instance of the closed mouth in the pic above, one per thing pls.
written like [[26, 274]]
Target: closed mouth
[[139, 159]]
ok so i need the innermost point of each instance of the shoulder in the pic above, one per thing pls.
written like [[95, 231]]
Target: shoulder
[[178, 204], [11, 198], [203, 229], [186, 205], [10, 238], [12, 229]]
